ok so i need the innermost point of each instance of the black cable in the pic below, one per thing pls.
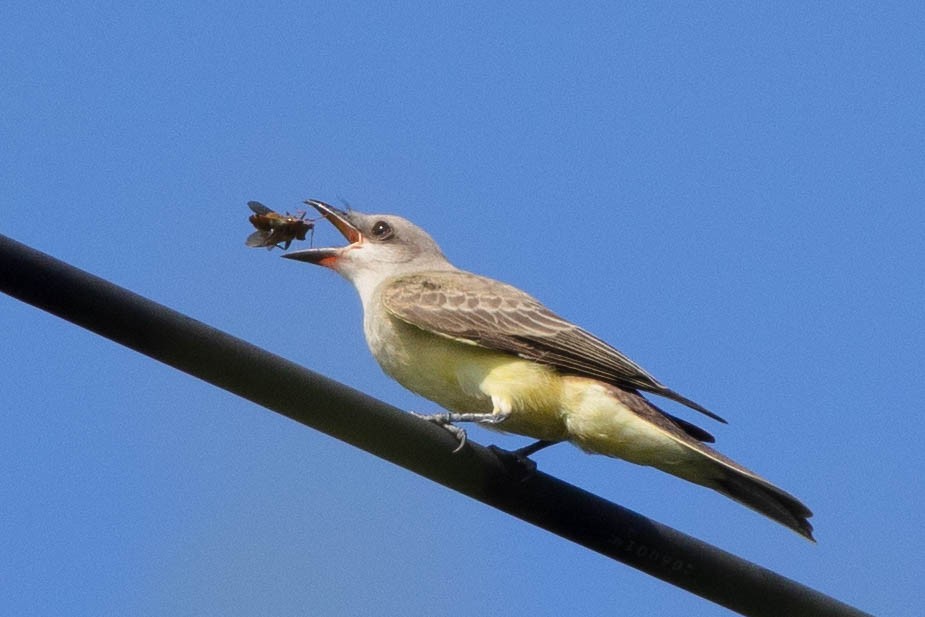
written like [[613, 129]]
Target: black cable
[[488, 475]]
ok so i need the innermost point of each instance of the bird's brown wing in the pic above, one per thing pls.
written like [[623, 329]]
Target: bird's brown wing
[[485, 312]]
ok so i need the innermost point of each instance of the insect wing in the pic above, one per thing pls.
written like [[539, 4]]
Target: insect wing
[[260, 238], [258, 208]]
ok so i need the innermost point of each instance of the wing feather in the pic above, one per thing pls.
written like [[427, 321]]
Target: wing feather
[[479, 310]]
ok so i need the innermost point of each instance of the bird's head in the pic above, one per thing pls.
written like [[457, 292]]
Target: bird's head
[[380, 246]]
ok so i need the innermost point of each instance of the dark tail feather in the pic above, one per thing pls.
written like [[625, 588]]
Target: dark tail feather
[[691, 429], [764, 497], [689, 403]]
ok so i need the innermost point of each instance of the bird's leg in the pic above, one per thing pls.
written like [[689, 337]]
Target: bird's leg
[[447, 419], [481, 418], [534, 447]]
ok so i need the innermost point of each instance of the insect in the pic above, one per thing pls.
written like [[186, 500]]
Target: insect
[[275, 229]]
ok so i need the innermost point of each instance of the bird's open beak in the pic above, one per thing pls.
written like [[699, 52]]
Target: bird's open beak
[[340, 220]]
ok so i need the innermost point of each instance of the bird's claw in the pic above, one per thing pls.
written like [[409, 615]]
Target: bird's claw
[[444, 420], [516, 464], [459, 433]]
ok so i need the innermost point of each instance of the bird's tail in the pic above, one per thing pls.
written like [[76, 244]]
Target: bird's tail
[[762, 496], [710, 468], [623, 424]]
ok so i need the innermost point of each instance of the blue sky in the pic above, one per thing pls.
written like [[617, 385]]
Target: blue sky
[[732, 195]]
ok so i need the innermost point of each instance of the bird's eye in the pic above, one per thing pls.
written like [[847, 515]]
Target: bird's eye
[[382, 230]]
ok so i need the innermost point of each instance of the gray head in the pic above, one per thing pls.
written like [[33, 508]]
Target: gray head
[[380, 246]]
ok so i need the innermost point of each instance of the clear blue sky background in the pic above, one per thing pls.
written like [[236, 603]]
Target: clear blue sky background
[[731, 194]]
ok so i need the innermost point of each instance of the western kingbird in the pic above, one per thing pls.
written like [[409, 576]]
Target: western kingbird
[[488, 352]]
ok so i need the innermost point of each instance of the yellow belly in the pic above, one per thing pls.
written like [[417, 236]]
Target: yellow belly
[[467, 378], [540, 402]]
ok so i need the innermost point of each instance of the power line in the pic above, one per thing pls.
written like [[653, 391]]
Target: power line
[[485, 474]]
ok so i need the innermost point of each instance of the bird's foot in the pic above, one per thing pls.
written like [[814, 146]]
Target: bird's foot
[[447, 419], [517, 461], [444, 420]]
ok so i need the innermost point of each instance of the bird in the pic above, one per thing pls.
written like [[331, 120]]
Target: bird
[[490, 353]]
